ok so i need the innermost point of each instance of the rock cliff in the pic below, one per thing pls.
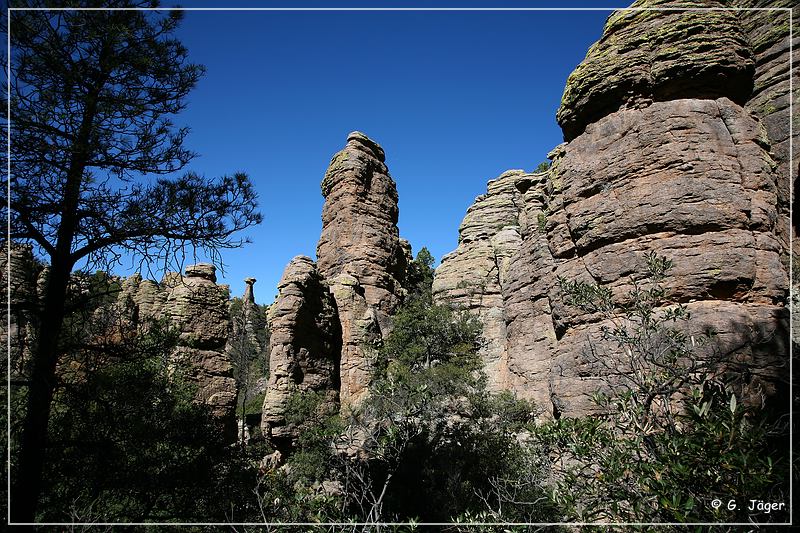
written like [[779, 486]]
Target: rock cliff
[[19, 322], [665, 153]]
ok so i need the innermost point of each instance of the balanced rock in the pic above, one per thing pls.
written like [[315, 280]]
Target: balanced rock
[[646, 56]]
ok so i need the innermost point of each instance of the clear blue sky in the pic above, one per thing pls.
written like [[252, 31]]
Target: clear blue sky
[[455, 99]]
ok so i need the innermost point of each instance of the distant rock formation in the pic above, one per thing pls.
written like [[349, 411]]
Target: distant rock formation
[[661, 156], [473, 276], [327, 315], [248, 325], [198, 308], [27, 279]]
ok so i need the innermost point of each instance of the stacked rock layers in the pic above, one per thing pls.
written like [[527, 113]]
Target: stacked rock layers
[[662, 156]]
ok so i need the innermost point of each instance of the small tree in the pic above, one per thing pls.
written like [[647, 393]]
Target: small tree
[[247, 349], [674, 434], [420, 275], [92, 93]]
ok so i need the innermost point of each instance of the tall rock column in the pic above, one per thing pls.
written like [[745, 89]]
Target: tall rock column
[[360, 254], [768, 34]]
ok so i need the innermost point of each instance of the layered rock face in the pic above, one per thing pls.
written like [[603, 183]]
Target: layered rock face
[[305, 344], [646, 56], [473, 276], [768, 35], [661, 157], [360, 254], [198, 308]]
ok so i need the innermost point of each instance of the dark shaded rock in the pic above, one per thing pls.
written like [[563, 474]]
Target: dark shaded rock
[[305, 345]]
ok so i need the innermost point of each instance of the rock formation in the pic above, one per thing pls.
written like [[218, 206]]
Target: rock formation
[[198, 308], [661, 156], [472, 277], [305, 344], [360, 254], [248, 323], [768, 35], [328, 315], [27, 276]]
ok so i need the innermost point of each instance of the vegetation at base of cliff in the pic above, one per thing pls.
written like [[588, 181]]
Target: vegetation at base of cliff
[[419, 277], [675, 434], [429, 443], [248, 350], [128, 443]]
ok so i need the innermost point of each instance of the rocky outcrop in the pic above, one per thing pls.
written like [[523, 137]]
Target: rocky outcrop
[[251, 325], [198, 308], [768, 34], [360, 254], [305, 344], [329, 315], [688, 179], [20, 321], [646, 56], [473, 276], [664, 155]]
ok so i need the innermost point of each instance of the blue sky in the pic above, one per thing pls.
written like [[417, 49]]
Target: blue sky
[[455, 99]]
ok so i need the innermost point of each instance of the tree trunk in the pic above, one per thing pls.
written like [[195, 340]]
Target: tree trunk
[[28, 480]]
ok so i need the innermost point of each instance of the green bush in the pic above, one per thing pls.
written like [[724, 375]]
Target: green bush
[[429, 423], [128, 443], [674, 434]]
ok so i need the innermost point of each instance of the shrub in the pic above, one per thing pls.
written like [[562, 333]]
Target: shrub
[[675, 434]]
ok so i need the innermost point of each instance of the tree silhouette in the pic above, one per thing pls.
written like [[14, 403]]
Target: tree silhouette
[[92, 152]]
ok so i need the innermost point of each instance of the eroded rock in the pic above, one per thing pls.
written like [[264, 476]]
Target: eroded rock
[[662, 157], [305, 345], [360, 254], [473, 275], [198, 308], [646, 56]]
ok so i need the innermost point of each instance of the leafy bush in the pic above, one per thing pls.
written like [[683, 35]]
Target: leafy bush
[[128, 443], [675, 434]]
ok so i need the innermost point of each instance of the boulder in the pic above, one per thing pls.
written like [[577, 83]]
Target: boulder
[[657, 55]]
